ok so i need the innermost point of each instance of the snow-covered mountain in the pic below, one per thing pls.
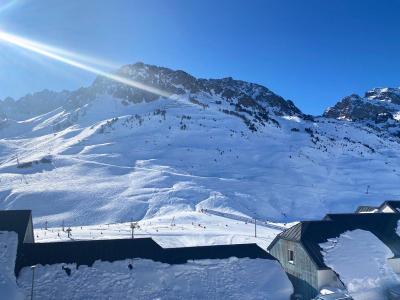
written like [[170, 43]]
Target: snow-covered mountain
[[110, 152]]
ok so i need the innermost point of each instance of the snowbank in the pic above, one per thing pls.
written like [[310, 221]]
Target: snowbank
[[8, 246], [145, 279], [360, 259]]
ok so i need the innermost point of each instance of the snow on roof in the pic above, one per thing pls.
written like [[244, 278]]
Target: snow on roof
[[366, 209], [8, 246], [312, 233], [361, 261], [394, 204], [145, 279]]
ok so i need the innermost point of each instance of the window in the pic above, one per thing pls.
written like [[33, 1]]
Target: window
[[291, 256]]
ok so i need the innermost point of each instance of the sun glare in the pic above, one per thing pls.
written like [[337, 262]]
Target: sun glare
[[4, 5], [71, 59]]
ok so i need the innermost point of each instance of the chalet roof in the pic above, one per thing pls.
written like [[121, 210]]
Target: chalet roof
[[15, 220], [293, 233], [366, 209], [87, 252], [312, 233], [394, 204]]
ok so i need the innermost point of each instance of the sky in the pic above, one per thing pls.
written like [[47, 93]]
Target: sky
[[313, 52]]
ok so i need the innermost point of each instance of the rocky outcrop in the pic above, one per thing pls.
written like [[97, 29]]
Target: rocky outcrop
[[379, 109]]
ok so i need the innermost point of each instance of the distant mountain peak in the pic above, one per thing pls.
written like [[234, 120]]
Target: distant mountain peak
[[379, 108], [254, 104], [235, 97], [181, 82], [390, 95]]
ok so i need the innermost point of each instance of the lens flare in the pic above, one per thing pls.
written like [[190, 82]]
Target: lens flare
[[62, 56], [5, 5], [69, 54]]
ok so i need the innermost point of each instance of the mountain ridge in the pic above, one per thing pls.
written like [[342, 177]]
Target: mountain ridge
[[111, 153]]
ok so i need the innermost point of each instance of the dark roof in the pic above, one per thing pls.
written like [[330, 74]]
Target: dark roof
[[15, 220], [366, 209], [394, 204], [293, 233], [312, 233], [87, 252]]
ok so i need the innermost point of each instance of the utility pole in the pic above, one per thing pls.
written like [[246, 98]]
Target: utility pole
[[133, 226], [255, 227], [33, 279]]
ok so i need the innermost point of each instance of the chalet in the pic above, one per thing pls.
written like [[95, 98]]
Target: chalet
[[391, 206], [299, 252]]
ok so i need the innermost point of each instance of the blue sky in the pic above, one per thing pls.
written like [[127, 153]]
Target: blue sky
[[312, 52]]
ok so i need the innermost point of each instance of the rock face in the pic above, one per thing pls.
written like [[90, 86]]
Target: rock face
[[379, 109], [253, 103], [33, 104], [244, 94]]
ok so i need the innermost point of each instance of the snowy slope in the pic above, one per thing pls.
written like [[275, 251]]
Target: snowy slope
[[181, 229], [110, 153]]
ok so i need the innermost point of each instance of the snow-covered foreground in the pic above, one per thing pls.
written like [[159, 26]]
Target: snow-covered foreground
[[231, 278], [145, 279], [182, 229], [360, 259], [204, 279]]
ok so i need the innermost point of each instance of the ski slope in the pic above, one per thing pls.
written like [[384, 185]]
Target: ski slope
[[183, 229], [109, 154]]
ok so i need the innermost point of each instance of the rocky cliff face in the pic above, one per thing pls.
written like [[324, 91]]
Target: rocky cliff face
[[379, 108], [179, 82], [254, 104]]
